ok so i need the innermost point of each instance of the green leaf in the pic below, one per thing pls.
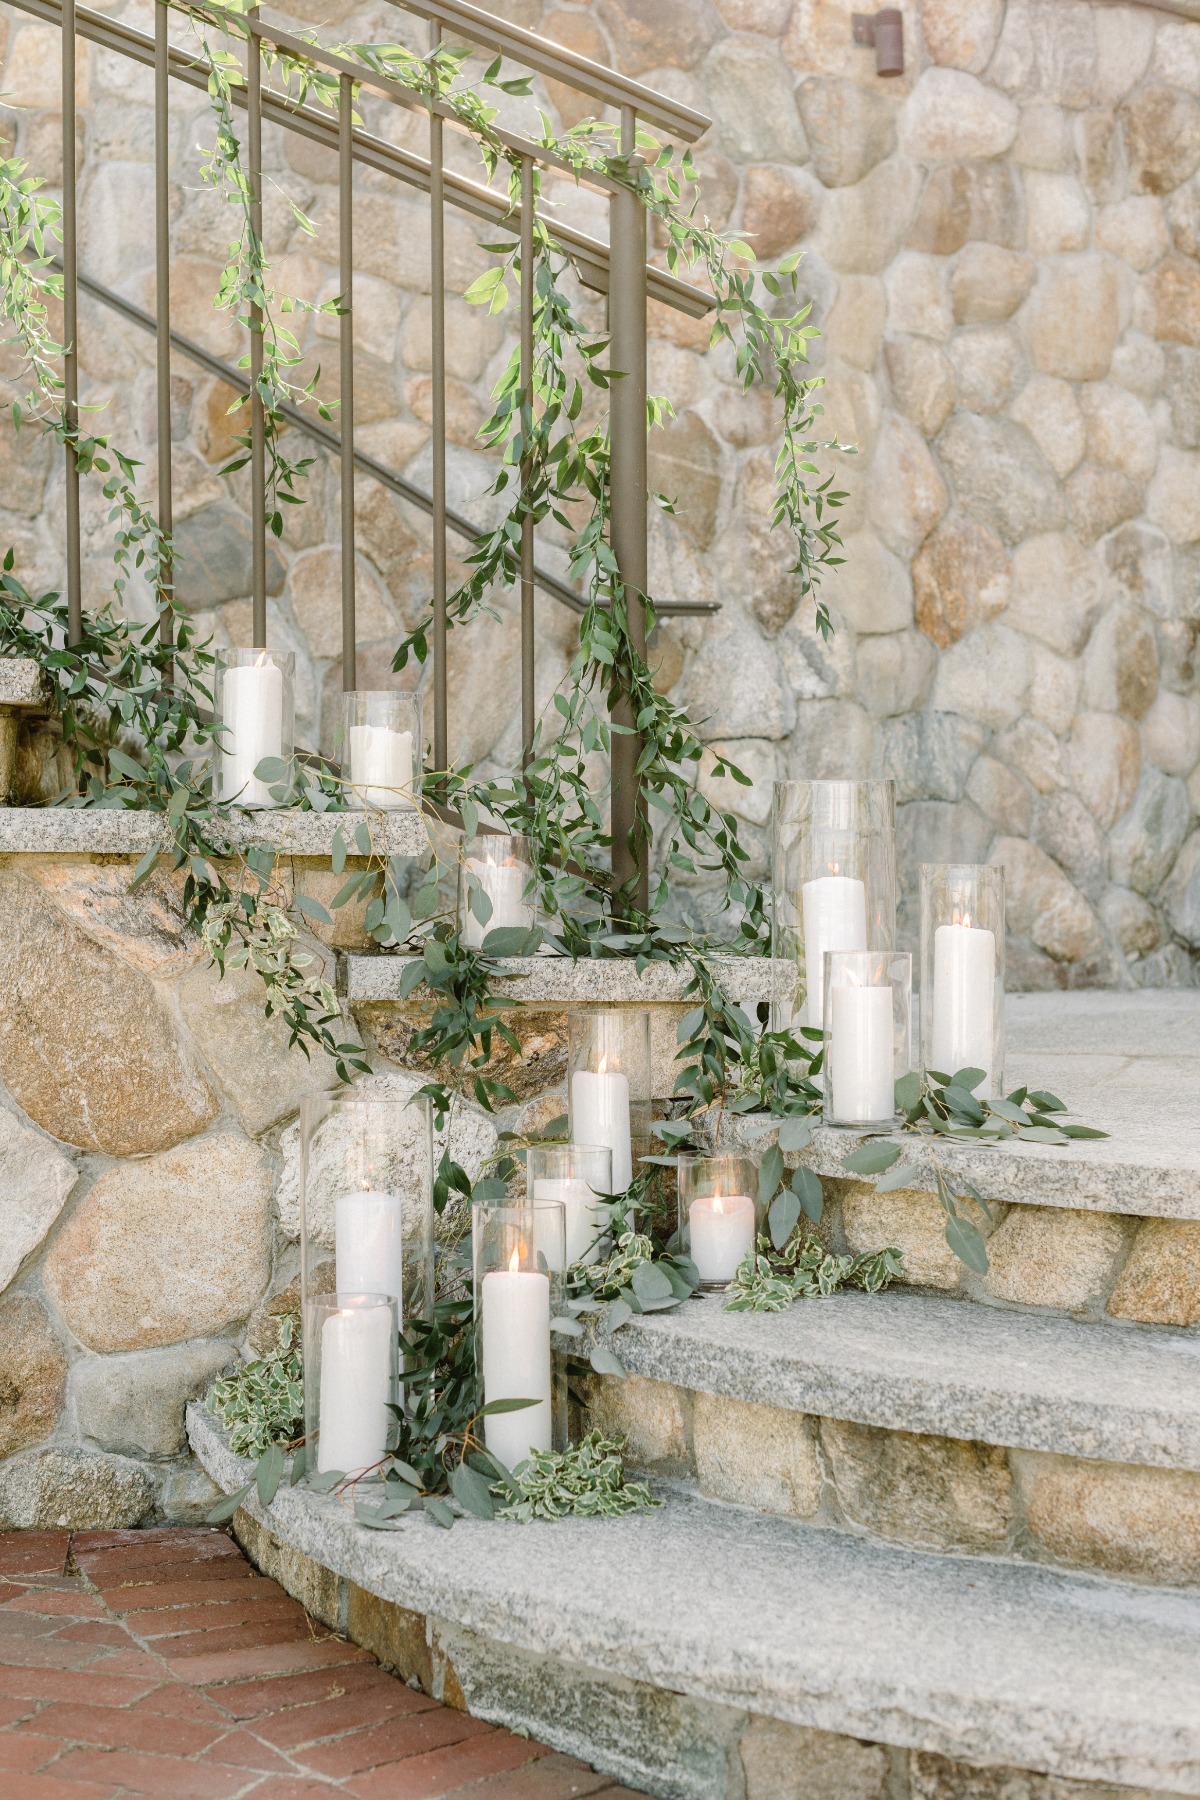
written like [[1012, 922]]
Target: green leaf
[[650, 1284], [795, 1134], [967, 1244], [566, 1327], [326, 1480], [871, 1159], [783, 1217], [1047, 1102], [125, 765], [312, 909], [900, 1176], [908, 1091], [1044, 1134], [619, 1313], [770, 1173], [472, 1491], [269, 1473], [272, 768], [511, 940], [806, 1185], [225, 1509], [506, 1406], [438, 1511], [605, 1361], [299, 1465], [969, 1078], [1082, 1131]]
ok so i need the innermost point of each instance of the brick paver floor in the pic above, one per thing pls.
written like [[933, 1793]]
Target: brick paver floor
[[162, 1663]]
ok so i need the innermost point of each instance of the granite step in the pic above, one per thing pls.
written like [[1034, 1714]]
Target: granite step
[[698, 1615], [921, 1363]]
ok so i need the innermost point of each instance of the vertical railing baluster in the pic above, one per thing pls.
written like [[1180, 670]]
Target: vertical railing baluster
[[346, 351], [528, 666], [162, 304], [627, 330], [70, 261], [437, 249], [258, 441]]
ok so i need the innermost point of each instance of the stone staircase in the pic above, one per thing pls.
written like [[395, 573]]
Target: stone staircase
[[939, 1542]]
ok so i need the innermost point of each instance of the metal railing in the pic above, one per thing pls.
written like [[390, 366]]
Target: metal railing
[[620, 269]]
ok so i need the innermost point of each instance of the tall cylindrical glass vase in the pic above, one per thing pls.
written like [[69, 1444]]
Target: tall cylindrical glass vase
[[833, 877], [962, 972]]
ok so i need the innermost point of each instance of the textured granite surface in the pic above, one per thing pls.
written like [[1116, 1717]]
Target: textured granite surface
[[22, 682], [987, 1661], [1128, 1063], [57, 831], [558, 979], [918, 1362]]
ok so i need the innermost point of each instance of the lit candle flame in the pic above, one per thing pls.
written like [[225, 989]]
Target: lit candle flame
[[718, 1203], [514, 1262], [263, 660], [603, 1069]]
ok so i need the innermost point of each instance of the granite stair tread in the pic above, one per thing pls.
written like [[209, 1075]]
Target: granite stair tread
[[924, 1363], [991, 1662], [121, 831]]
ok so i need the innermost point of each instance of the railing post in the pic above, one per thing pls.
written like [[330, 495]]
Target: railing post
[[627, 329], [437, 333], [528, 618], [258, 441], [346, 367], [70, 264], [162, 304]]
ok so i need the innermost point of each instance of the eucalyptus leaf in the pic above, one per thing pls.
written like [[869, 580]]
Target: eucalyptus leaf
[[326, 1480], [606, 1361], [806, 1185], [225, 1509], [969, 1078], [269, 1473], [770, 1173], [900, 1175], [472, 1491], [967, 1244], [908, 1092], [1044, 1134], [871, 1159], [506, 1406], [650, 1284], [619, 1313], [795, 1134], [783, 1217], [438, 1511], [566, 1327]]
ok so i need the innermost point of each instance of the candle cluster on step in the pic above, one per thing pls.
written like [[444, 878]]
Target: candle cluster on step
[[718, 1214], [366, 1229], [518, 1256], [381, 749], [608, 1050], [254, 713], [495, 887]]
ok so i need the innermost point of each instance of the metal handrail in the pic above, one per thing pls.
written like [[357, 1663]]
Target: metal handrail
[[312, 427], [621, 268]]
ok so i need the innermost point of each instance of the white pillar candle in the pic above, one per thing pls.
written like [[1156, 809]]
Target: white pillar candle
[[861, 1067], [381, 767], [721, 1229], [584, 1224], [600, 1115], [356, 1381], [964, 987], [504, 884], [516, 1360], [252, 717], [835, 918], [368, 1237]]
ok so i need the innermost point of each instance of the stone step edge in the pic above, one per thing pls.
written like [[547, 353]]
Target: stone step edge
[[936, 1367], [1066, 1674], [564, 981], [120, 831]]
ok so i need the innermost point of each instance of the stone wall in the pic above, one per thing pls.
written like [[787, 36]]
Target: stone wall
[[149, 1187], [1001, 248]]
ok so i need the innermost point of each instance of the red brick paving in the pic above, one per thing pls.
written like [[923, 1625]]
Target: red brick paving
[[161, 1664]]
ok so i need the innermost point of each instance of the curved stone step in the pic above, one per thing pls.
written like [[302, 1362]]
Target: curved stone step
[[920, 1363], [991, 1662]]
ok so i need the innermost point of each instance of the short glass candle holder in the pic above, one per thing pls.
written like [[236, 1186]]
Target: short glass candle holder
[[962, 971], [868, 1034], [255, 722], [495, 887], [719, 1214], [518, 1259], [833, 878], [608, 1056], [574, 1174], [366, 1195], [350, 1361], [381, 750]]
